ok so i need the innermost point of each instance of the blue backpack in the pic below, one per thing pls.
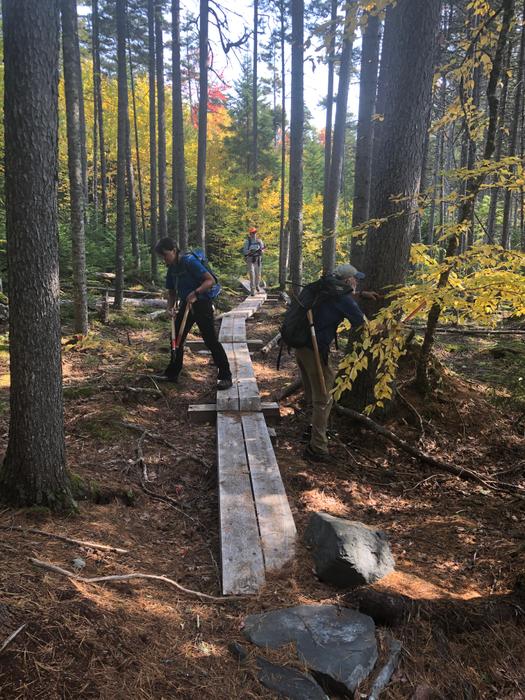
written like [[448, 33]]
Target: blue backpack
[[199, 255]]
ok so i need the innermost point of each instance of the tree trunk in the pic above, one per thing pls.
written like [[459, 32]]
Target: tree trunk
[[329, 100], [406, 87], [100, 113], [73, 89], [203, 126], [178, 159], [137, 150], [255, 155], [494, 192], [473, 184], [284, 231], [122, 140], [34, 469], [152, 139], [95, 135], [338, 147], [132, 200], [161, 121], [295, 194], [513, 143], [365, 131]]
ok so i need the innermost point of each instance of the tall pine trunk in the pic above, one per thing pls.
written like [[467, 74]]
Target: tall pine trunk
[[513, 142], [284, 230], [73, 90], [255, 155], [178, 159], [203, 125], [97, 87], [132, 199], [152, 140], [161, 122], [295, 194], [331, 203], [365, 130], [329, 99], [136, 135], [122, 140], [34, 469], [405, 89]]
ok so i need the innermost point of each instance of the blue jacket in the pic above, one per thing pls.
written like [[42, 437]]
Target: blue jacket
[[186, 275], [329, 314]]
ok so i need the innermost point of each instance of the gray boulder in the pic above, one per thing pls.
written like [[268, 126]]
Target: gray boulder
[[346, 553], [337, 644]]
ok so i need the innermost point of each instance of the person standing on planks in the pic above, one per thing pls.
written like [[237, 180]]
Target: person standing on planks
[[253, 251], [190, 280]]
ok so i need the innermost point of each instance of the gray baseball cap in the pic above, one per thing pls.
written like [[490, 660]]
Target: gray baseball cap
[[346, 270]]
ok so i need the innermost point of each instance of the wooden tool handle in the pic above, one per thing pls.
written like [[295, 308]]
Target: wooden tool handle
[[320, 372]]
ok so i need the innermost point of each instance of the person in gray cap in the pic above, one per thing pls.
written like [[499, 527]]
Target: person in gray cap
[[327, 317]]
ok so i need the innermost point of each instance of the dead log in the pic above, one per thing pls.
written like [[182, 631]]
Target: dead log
[[271, 344], [452, 615], [289, 389]]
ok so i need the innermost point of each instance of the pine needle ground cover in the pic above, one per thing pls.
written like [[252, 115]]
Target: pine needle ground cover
[[453, 541]]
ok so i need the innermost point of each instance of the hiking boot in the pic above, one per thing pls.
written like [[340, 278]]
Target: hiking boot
[[312, 455], [252, 293], [224, 384]]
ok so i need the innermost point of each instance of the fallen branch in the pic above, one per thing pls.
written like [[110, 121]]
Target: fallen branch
[[461, 472], [12, 636], [474, 331], [289, 390], [271, 344], [141, 390], [51, 535], [385, 674], [126, 577]]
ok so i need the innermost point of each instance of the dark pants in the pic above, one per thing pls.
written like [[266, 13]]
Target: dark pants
[[201, 313]]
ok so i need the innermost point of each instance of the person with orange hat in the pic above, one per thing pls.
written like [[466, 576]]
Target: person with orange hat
[[253, 251]]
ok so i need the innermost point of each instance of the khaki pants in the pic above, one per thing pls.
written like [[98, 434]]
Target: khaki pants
[[254, 267], [313, 393]]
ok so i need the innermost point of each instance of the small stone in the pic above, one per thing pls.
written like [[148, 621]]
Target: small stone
[[346, 553], [78, 563]]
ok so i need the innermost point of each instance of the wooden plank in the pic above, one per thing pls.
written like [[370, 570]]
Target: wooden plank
[[226, 330], [199, 413], [198, 344], [228, 399], [241, 554], [276, 523], [249, 398], [239, 330]]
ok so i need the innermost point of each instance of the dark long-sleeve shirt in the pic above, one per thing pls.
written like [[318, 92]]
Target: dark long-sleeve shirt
[[329, 314]]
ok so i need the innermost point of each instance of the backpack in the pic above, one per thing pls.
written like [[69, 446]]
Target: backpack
[[295, 329], [198, 254]]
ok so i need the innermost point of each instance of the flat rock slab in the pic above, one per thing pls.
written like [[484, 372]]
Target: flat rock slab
[[337, 643], [347, 553], [289, 682]]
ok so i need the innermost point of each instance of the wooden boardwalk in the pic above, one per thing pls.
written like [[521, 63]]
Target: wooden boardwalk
[[256, 524]]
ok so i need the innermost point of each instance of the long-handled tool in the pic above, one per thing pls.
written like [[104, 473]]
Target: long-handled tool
[[310, 317], [176, 340]]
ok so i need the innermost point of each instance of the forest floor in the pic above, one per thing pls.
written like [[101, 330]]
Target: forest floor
[[452, 539]]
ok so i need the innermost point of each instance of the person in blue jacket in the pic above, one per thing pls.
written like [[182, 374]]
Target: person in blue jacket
[[189, 281], [327, 317]]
